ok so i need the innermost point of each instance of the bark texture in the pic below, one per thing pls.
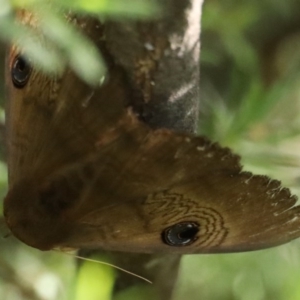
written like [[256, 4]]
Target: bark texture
[[161, 60]]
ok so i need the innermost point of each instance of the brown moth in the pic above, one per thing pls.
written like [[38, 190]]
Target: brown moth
[[86, 172]]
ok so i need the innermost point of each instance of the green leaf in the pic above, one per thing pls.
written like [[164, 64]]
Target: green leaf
[[129, 8], [94, 280]]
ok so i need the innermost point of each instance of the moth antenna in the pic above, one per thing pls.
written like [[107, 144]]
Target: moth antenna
[[105, 263]]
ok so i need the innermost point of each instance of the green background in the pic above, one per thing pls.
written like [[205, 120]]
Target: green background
[[250, 101]]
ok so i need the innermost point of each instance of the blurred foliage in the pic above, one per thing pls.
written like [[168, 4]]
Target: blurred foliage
[[58, 43], [250, 64], [88, 278], [250, 85]]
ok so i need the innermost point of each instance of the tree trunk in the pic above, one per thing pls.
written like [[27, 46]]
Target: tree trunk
[[159, 63], [161, 60]]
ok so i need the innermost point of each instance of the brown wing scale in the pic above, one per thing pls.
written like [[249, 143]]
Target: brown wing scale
[[142, 181]]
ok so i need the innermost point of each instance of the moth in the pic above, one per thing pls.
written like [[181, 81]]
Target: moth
[[95, 176], [86, 172]]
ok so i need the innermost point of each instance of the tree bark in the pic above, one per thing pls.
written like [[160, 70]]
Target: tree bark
[[161, 60]]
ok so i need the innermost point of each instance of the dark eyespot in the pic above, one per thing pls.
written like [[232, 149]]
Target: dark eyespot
[[181, 234], [20, 71]]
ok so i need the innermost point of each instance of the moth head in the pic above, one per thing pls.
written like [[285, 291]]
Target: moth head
[[34, 213]]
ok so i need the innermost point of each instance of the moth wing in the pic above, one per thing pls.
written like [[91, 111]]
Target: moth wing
[[56, 120], [149, 181]]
